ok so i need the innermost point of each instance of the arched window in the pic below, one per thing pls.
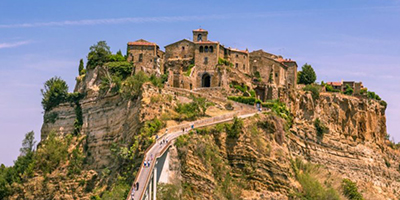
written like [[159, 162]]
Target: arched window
[[183, 48], [206, 49], [211, 49], [205, 60], [201, 49], [199, 38], [206, 80]]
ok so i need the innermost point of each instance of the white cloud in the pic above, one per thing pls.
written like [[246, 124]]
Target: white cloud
[[14, 44]]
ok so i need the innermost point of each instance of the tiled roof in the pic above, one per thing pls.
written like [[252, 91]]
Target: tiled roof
[[180, 41], [200, 30], [142, 42], [283, 60], [334, 83]]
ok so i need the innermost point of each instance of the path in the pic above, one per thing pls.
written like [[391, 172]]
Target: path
[[158, 148]]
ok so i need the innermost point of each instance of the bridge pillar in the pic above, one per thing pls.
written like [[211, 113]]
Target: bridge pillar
[[150, 189], [155, 183]]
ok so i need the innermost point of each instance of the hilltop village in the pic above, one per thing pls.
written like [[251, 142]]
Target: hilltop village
[[202, 64]]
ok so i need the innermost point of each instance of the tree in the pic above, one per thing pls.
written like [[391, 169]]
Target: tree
[[307, 75], [349, 90], [55, 92], [28, 144], [81, 67], [98, 54]]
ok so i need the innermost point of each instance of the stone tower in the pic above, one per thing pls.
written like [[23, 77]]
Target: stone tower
[[200, 35]]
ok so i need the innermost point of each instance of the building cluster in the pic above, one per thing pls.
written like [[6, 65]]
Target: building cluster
[[201, 63], [341, 86]]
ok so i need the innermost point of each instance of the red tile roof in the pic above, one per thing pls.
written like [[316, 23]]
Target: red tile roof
[[200, 30], [142, 42], [334, 83], [283, 60]]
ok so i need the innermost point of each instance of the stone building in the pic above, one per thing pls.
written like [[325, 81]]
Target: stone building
[[341, 86], [202, 63], [146, 56]]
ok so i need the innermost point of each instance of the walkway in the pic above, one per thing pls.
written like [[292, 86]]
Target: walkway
[[162, 144]]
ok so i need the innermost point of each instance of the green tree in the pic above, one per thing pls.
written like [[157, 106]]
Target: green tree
[[307, 75], [349, 90], [81, 67], [55, 92], [28, 144], [98, 55]]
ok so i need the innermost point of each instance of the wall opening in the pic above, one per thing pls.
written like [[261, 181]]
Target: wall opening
[[206, 80]]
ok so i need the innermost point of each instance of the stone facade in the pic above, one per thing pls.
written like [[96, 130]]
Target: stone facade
[[202, 63]]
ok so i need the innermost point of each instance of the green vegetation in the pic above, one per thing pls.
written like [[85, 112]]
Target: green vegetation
[[98, 55], [50, 117], [311, 187], [320, 128], [306, 75], [314, 89], [193, 110], [329, 88], [350, 190], [81, 69], [348, 90], [280, 110], [225, 62], [245, 100], [189, 70], [55, 92], [235, 128]]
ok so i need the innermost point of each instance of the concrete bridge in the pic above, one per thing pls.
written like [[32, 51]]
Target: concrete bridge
[[157, 154]]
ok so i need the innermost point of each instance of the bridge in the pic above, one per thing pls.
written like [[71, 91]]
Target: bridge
[[145, 185]]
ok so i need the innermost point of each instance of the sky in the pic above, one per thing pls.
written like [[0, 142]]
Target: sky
[[343, 40]]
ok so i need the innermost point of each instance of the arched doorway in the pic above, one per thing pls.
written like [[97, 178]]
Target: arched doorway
[[206, 80]]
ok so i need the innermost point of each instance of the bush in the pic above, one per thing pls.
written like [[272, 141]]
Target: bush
[[222, 61], [158, 81], [348, 90], [116, 57], [121, 69], [189, 70], [350, 190], [307, 75], [245, 100], [320, 128], [52, 152], [131, 87], [329, 88], [233, 130], [98, 55], [55, 92], [50, 117], [281, 110], [372, 95], [314, 89]]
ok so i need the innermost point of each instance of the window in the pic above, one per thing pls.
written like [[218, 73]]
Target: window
[[206, 49], [211, 49], [201, 49], [205, 60], [140, 57], [244, 67], [237, 56], [236, 65], [183, 48], [199, 38]]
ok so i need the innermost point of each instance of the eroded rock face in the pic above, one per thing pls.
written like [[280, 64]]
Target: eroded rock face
[[354, 144]]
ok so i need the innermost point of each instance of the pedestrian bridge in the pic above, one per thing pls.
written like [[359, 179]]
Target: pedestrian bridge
[[156, 156]]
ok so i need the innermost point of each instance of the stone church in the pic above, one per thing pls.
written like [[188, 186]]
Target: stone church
[[201, 63]]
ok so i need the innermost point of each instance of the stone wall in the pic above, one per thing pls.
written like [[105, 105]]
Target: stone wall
[[183, 49], [240, 61]]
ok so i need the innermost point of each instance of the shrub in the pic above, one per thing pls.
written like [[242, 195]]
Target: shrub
[[348, 90], [245, 100], [121, 69], [188, 111], [307, 75], [182, 141], [350, 190], [233, 130], [320, 128], [81, 69], [55, 92], [118, 57], [383, 103], [50, 117], [157, 81], [189, 70], [131, 87], [222, 61], [98, 55], [281, 110], [329, 88], [314, 89], [52, 152], [372, 95], [387, 163]]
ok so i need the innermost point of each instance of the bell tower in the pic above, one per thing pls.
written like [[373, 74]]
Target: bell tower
[[200, 35]]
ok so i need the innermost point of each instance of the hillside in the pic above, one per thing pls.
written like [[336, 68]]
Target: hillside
[[307, 143]]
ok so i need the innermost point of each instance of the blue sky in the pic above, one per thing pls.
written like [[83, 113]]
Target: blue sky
[[352, 40]]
